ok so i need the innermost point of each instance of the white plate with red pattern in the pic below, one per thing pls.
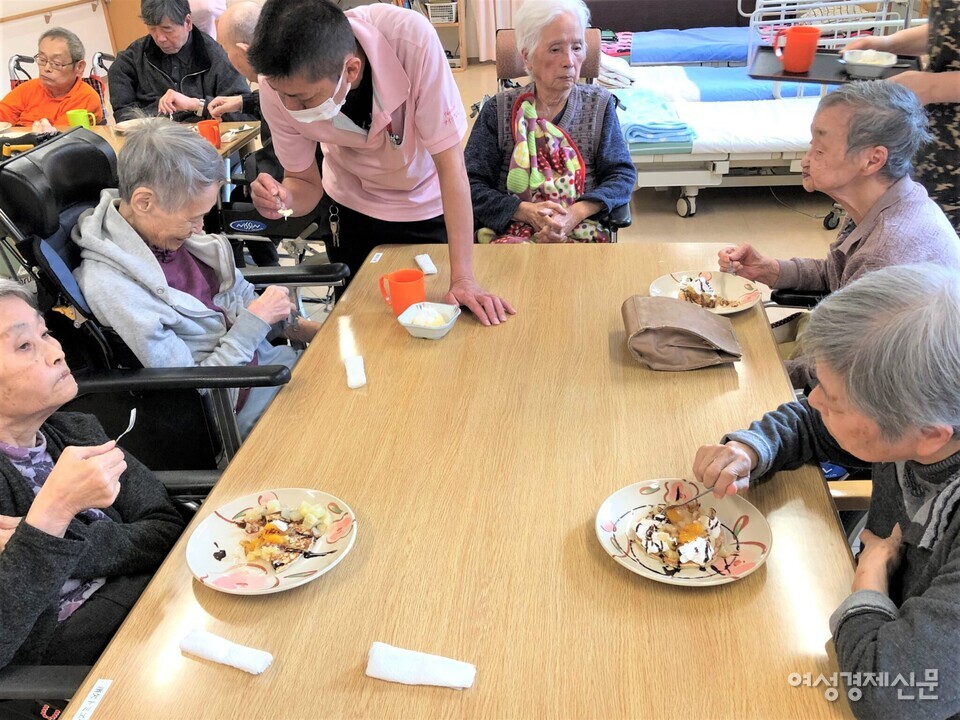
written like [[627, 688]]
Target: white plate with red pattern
[[217, 560], [745, 548], [740, 294]]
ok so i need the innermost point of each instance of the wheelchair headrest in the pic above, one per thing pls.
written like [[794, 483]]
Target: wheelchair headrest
[[510, 63], [39, 185]]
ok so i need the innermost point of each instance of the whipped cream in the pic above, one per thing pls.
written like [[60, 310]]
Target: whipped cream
[[697, 551], [427, 317]]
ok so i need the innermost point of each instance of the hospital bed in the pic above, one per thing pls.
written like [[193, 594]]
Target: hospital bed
[[739, 141]]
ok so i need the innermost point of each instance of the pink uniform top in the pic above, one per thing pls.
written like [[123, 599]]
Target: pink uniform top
[[415, 99]]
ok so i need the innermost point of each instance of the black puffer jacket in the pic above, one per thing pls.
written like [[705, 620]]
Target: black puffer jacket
[[137, 81]]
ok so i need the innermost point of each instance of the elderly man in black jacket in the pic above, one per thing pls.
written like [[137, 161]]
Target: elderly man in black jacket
[[174, 70]]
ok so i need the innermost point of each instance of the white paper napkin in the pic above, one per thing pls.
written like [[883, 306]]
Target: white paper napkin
[[386, 662], [213, 647]]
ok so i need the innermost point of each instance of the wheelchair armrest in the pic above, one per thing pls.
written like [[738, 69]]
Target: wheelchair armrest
[[188, 482], [796, 298], [619, 217], [303, 274], [34, 682], [187, 378]]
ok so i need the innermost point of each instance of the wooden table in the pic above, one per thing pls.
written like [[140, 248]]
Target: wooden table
[[226, 149], [475, 465]]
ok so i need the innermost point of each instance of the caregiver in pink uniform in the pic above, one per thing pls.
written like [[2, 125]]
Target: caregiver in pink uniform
[[371, 85]]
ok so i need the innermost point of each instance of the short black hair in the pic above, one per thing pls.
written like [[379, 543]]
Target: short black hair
[[301, 37], [153, 12]]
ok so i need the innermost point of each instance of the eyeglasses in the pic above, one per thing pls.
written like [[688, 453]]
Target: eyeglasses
[[55, 64]]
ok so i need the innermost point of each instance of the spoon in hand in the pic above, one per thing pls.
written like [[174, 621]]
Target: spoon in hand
[[133, 421]]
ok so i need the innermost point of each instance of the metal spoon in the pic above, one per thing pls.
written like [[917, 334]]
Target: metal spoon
[[740, 484], [133, 421]]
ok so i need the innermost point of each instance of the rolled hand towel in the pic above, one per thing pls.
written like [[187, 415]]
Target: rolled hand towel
[[416, 668], [213, 647]]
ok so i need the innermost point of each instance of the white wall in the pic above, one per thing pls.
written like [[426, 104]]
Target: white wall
[[20, 36]]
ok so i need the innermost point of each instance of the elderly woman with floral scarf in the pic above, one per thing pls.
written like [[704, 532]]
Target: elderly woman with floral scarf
[[544, 158]]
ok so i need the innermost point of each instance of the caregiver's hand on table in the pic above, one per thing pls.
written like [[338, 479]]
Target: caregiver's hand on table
[[748, 263], [721, 466], [490, 309]]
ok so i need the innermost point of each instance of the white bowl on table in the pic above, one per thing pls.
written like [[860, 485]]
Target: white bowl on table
[[449, 313], [868, 63]]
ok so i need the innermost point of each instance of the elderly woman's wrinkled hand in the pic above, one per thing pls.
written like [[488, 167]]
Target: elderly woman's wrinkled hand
[[83, 477], [8, 525], [273, 305], [544, 217], [720, 466], [878, 560], [746, 262]]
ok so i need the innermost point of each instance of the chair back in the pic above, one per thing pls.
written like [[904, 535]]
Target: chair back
[[510, 62], [42, 194]]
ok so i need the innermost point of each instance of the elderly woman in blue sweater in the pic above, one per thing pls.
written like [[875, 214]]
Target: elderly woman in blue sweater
[[82, 524], [887, 350], [544, 158]]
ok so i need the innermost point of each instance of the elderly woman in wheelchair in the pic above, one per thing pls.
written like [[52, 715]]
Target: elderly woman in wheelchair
[[172, 293], [887, 348], [82, 525], [545, 158]]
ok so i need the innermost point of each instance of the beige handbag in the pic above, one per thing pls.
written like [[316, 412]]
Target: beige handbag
[[668, 334]]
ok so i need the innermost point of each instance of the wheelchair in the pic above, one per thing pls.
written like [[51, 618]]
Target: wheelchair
[[42, 194]]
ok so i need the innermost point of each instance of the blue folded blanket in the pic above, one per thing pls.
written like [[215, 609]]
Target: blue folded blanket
[[720, 84], [710, 44], [648, 119]]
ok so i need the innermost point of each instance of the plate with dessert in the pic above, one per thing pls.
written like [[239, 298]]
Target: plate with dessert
[[720, 293], [271, 541], [656, 530]]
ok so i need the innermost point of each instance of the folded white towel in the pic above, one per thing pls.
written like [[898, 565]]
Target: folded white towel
[[213, 647], [386, 662]]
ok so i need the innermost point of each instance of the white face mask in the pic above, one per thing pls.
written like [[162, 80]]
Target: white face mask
[[328, 109]]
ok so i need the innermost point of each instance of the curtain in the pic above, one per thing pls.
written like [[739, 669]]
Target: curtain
[[489, 16]]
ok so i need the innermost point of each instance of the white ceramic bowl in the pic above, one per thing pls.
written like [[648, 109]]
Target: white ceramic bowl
[[868, 63], [449, 313]]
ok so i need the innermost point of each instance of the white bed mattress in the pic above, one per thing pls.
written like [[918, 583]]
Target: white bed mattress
[[750, 126]]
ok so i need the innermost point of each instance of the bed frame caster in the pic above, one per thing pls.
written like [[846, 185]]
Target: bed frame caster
[[832, 219], [687, 205]]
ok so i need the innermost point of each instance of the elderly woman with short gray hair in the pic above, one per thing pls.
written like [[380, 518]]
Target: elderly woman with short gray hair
[[172, 292], [865, 135], [887, 349], [581, 164]]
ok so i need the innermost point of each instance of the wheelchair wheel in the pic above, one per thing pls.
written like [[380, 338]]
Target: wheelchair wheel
[[831, 221]]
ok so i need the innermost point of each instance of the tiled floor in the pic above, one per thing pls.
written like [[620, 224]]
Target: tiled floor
[[788, 227]]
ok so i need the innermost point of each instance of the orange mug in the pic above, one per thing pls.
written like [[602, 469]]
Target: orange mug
[[403, 289], [799, 48], [210, 129]]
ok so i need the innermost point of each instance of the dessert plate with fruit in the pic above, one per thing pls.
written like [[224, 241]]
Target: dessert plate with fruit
[[655, 529], [271, 541], [718, 292]]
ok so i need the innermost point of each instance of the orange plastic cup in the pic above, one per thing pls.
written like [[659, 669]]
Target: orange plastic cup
[[210, 129], [403, 289], [799, 48]]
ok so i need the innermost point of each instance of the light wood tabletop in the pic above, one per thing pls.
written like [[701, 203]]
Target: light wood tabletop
[[239, 139], [475, 465]]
